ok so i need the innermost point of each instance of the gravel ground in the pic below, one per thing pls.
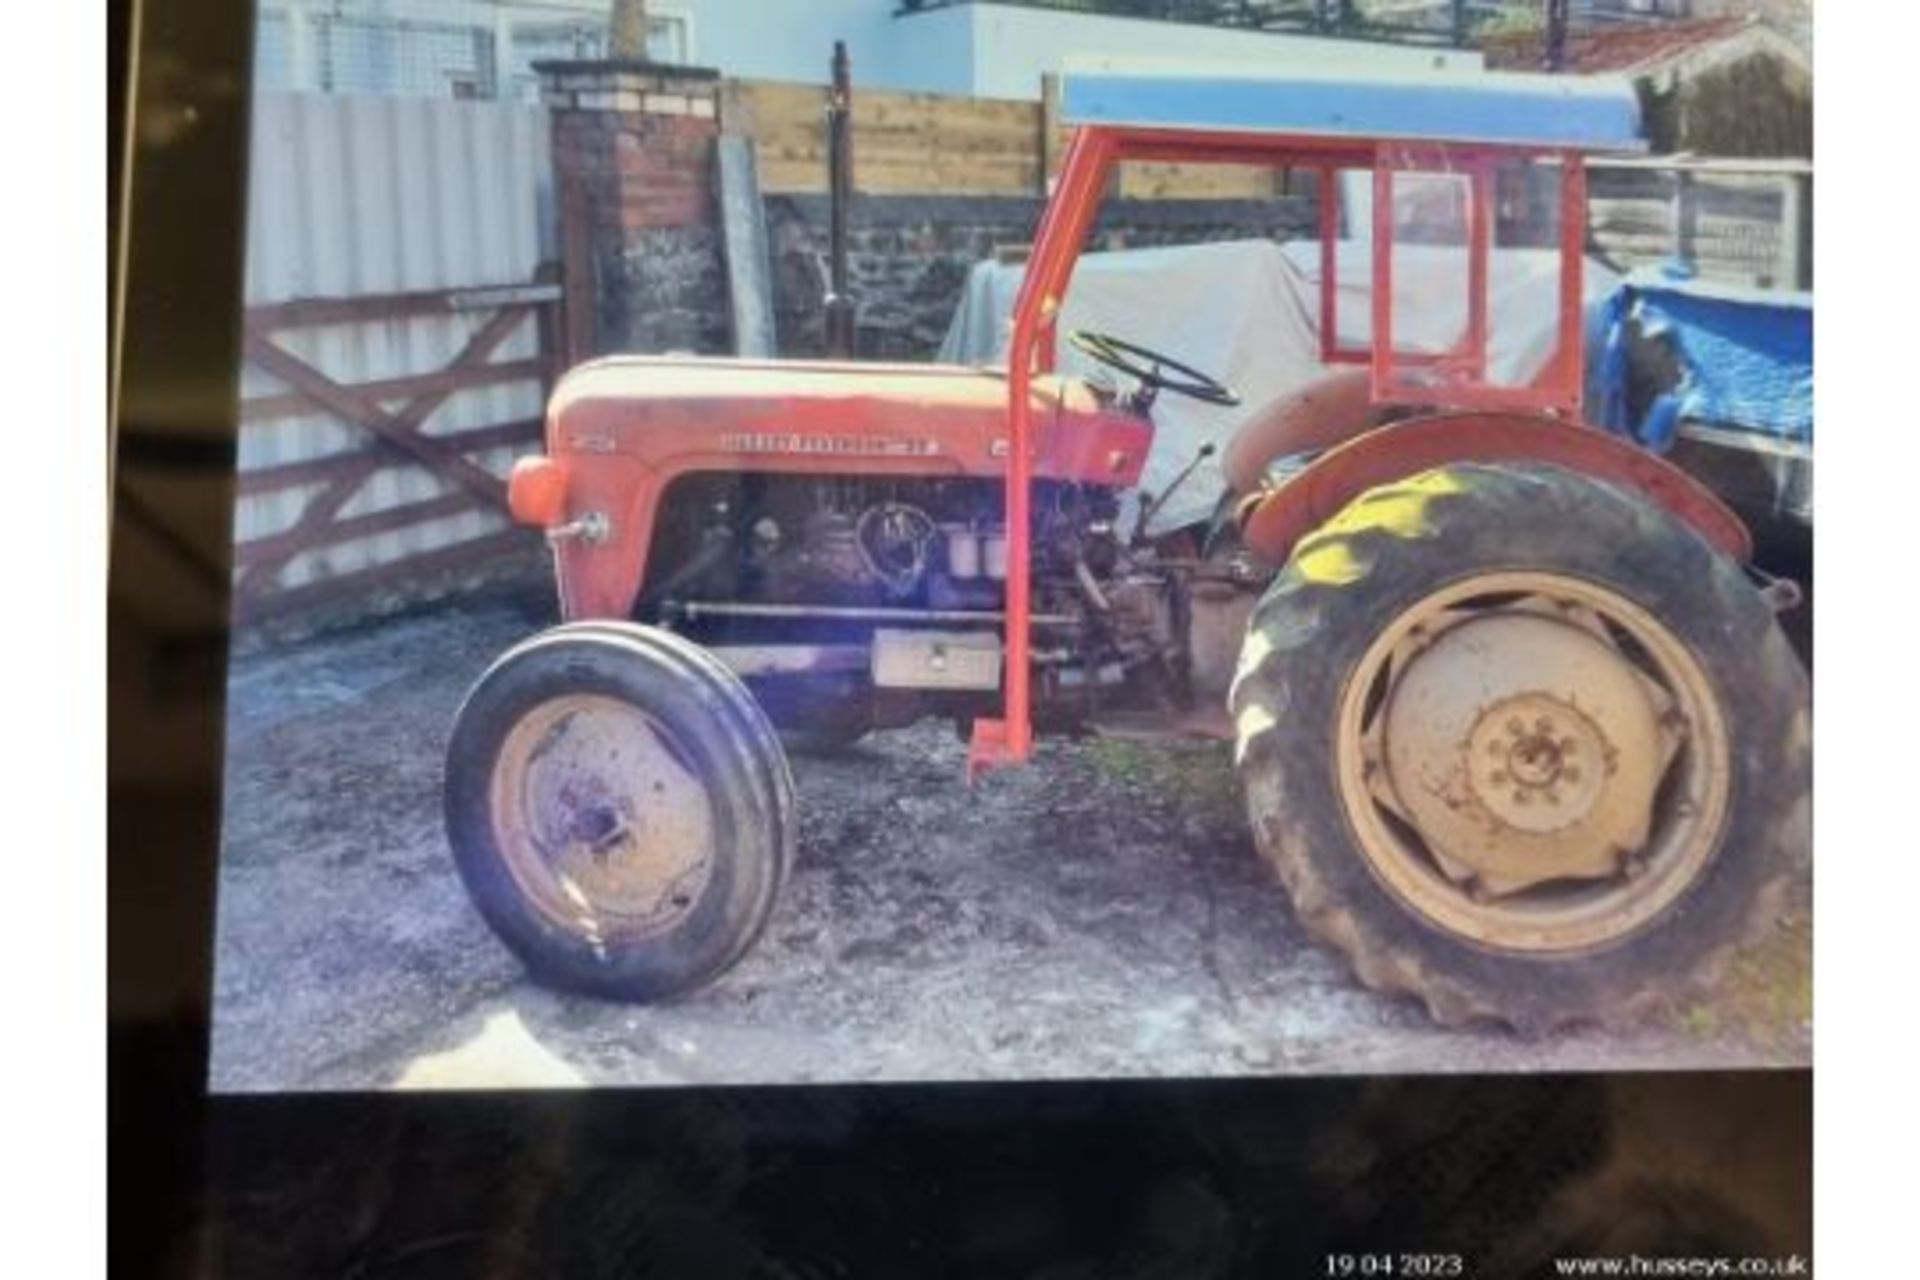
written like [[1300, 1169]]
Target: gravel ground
[[1100, 914]]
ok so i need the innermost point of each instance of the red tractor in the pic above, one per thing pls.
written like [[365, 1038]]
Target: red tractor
[[1517, 728]]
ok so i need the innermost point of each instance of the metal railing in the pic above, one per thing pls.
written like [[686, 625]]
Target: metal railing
[[1442, 22]]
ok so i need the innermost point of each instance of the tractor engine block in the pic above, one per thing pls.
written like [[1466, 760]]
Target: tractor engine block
[[913, 571], [931, 543]]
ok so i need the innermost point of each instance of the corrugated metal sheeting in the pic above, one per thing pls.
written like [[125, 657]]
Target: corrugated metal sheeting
[[355, 195]]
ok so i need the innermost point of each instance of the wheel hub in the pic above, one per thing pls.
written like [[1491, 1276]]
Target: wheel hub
[[1523, 748], [602, 822], [1534, 762]]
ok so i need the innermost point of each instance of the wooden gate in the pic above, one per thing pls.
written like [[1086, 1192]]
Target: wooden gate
[[404, 324], [391, 437]]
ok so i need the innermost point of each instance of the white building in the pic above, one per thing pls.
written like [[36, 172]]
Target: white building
[[486, 48]]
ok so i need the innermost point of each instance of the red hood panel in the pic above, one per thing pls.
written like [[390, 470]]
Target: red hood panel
[[720, 378], [684, 413]]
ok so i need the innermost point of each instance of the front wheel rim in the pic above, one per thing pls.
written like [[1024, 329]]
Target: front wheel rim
[[1533, 762], [601, 819]]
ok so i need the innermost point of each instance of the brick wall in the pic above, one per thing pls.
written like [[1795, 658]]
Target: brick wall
[[633, 151]]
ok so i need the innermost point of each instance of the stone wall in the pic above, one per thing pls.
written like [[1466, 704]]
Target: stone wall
[[909, 256], [667, 291]]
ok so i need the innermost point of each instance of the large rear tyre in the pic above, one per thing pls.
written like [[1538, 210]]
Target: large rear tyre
[[619, 810], [1521, 744]]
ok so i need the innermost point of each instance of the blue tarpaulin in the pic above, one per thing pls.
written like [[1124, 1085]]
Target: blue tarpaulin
[[1745, 357]]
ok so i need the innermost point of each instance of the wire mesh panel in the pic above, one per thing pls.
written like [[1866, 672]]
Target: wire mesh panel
[[387, 55], [557, 41], [438, 48]]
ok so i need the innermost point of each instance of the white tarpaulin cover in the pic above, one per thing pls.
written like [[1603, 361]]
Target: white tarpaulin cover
[[1247, 312]]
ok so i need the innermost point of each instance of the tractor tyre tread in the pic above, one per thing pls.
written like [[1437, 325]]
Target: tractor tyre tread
[[671, 677], [1397, 543]]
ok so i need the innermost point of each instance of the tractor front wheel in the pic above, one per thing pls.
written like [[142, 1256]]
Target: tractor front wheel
[[1523, 745], [619, 810]]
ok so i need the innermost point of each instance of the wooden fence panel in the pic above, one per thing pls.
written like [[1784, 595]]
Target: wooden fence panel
[[1736, 222], [1743, 222], [902, 142], [932, 144]]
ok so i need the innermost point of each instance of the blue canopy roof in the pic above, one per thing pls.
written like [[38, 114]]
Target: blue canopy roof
[[1590, 113]]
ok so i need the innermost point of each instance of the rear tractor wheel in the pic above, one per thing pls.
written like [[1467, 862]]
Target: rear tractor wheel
[[619, 810], [1521, 744]]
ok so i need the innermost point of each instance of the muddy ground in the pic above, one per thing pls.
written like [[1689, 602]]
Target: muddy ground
[[1100, 914]]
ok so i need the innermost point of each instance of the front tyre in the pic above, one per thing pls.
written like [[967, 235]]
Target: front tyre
[[619, 810], [1521, 744]]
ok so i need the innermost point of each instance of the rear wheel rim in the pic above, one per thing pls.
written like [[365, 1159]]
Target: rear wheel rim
[[1533, 762], [601, 818]]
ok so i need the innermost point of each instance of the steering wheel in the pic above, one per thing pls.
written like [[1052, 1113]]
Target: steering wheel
[[1150, 368]]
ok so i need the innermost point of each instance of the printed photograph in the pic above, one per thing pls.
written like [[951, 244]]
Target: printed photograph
[[946, 540]]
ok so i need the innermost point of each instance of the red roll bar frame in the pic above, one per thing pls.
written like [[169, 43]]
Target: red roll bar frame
[[1455, 379]]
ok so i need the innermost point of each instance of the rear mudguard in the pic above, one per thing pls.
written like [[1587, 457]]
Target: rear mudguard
[[1329, 410], [1272, 522]]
